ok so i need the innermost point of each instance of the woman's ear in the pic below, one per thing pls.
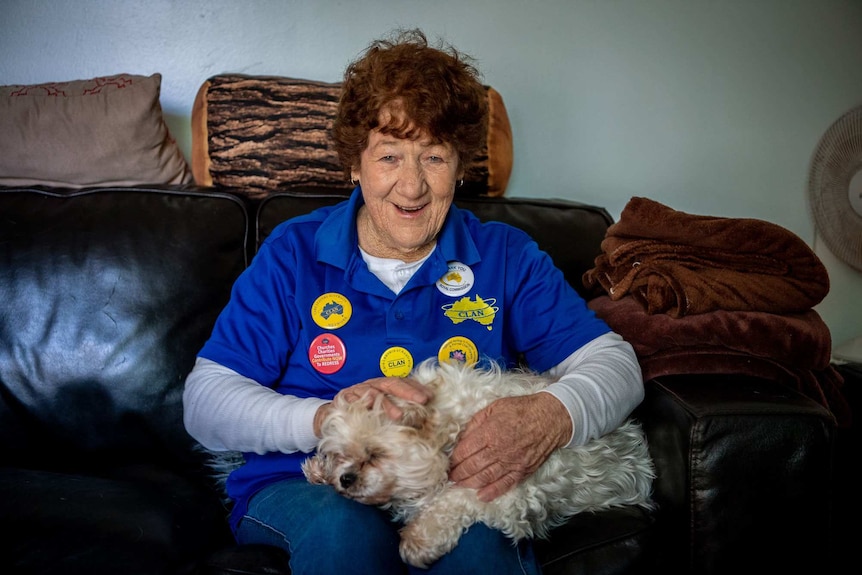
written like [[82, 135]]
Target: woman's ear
[[459, 175]]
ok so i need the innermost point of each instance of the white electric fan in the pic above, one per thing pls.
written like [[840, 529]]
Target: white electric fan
[[835, 196]]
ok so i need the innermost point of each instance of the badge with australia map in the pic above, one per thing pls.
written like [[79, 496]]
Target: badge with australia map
[[477, 309], [331, 310]]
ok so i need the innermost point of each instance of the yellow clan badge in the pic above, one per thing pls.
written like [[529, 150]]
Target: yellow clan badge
[[478, 309], [331, 310], [396, 362], [458, 349]]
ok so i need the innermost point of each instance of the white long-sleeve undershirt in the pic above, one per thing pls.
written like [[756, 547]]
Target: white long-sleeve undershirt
[[600, 384]]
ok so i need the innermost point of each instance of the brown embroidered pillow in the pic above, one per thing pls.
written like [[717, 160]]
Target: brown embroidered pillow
[[256, 134], [106, 131]]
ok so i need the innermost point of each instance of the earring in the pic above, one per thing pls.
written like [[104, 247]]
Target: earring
[[461, 183]]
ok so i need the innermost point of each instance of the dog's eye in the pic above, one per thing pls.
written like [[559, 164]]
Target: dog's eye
[[372, 453]]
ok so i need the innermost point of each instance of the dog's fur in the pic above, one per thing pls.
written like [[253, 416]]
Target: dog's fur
[[403, 466]]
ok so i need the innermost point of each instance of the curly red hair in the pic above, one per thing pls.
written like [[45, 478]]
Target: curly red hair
[[427, 90]]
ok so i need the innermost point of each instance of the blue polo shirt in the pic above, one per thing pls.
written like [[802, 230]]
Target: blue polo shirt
[[307, 318]]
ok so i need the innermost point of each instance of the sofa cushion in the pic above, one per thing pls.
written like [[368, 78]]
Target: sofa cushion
[[140, 520], [745, 472], [107, 295], [257, 134], [106, 131]]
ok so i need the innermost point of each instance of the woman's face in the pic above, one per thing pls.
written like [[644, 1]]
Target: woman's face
[[408, 186]]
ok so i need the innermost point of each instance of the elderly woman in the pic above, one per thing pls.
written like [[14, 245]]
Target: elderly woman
[[347, 299]]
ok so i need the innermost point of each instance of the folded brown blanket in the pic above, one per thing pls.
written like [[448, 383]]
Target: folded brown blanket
[[682, 264], [793, 349], [801, 340]]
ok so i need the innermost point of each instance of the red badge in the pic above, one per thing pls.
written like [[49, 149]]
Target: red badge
[[327, 353]]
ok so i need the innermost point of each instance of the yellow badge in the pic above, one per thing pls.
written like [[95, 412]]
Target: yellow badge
[[458, 349], [331, 310], [396, 362], [478, 309]]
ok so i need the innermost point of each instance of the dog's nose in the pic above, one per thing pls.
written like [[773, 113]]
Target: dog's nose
[[347, 479]]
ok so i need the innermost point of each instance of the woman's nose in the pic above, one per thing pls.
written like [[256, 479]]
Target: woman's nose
[[412, 178]]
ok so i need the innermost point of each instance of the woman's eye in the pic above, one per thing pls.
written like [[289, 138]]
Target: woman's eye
[[387, 159]]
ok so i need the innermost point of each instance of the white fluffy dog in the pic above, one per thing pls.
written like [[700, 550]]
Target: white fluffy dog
[[403, 466]]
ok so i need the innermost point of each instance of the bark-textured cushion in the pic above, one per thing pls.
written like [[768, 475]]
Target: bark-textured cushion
[[256, 134]]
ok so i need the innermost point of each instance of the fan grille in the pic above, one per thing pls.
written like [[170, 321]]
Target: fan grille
[[837, 159]]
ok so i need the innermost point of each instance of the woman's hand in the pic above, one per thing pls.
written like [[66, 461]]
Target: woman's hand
[[507, 441], [368, 390]]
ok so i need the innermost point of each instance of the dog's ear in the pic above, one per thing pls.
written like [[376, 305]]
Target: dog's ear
[[414, 414]]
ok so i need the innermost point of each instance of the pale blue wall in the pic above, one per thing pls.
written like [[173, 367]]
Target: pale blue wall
[[710, 106]]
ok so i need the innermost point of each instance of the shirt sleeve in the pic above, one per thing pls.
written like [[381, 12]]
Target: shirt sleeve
[[600, 384], [226, 411], [547, 317], [255, 332]]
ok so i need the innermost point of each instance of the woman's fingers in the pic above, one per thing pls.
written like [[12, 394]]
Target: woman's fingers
[[389, 387]]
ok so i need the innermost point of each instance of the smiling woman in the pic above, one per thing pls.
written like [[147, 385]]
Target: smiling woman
[[394, 258], [408, 186], [428, 117]]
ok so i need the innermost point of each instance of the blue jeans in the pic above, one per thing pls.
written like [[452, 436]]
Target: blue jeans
[[329, 534]]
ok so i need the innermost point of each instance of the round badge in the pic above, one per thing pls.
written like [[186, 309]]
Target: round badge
[[331, 310], [327, 353], [457, 280], [458, 349], [396, 362]]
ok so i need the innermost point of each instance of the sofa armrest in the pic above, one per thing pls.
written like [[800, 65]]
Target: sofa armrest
[[744, 474]]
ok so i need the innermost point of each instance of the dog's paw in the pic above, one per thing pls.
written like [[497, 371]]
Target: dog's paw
[[313, 470], [416, 554], [420, 548]]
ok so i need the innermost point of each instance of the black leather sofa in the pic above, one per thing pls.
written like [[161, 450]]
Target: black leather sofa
[[106, 294]]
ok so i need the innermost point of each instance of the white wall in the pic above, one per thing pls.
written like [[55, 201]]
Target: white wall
[[709, 106]]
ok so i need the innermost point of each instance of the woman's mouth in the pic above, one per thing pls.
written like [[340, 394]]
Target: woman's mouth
[[410, 210]]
